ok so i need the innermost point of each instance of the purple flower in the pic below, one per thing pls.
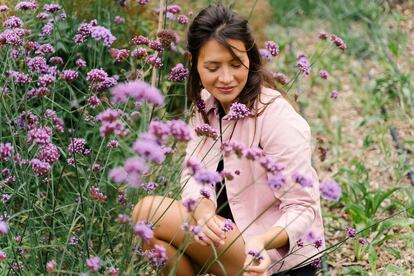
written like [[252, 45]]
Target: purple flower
[[193, 166], [299, 243], [255, 254], [69, 75], [47, 29], [160, 130], [3, 8], [149, 149], [232, 147], [49, 153], [154, 60], [237, 111], [40, 167], [276, 181], [270, 165], [205, 177], [56, 60], [46, 80], [350, 232], [119, 20], [227, 226], [253, 153], [96, 75], [182, 19], [190, 204], [80, 63], [201, 105], [179, 130], [26, 5], [323, 35], [113, 144], [135, 165], [338, 42], [302, 180], [3, 256], [6, 151], [119, 54], [139, 53], [144, 230], [118, 174], [102, 33], [272, 47], [4, 228], [150, 186], [205, 193], [324, 74], [280, 78], [178, 73], [139, 40], [142, 2], [157, 256], [330, 190], [139, 90], [94, 263], [78, 145], [334, 94], [51, 266], [12, 22], [206, 130], [94, 101], [19, 78], [363, 241], [40, 136], [265, 54], [303, 64], [51, 8], [45, 49], [316, 262]]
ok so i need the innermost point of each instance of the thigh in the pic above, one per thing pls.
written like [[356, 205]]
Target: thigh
[[168, 216]]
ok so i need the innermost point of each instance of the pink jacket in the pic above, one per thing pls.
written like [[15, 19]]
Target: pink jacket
[[285, 137]]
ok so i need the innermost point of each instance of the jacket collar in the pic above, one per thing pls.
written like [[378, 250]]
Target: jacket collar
[[210, 101]]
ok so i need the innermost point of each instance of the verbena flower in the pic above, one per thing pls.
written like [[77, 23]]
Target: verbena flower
[[206, 130], [6, 150], [149, 149], [338, 42], [334, 94], [205, 193], [272, 47], [4, 228], [56, 60], [102, 33], [44, 49], [265, 54], [144, 230], [3, 256], [40, 136], [182, 19], [350, 232], [154, 60], [276, 181], [324, 74], [323, 35], [190, 204], [69, 75], [135, 165], [49, 153], [150, 186], [316, 262], [139, 40], [362, 241], [228, 225], [96, 194], [118, 174], [139, 53], [167, 37], [255, 254], [78, 145], [157, 256], [51, 8], [303, 64], [46, 80], [253, 153], [51, 266], [179, 130], [94, 263], [237, 111], [12, 22], [112, 271], [80, 63], [174, 9], [302, 180], [178, 73], [26, 5], [270, 165], [19, 78], [119, 54], [40, 167], [119, 20], [94, 101], [206, 177], [201, 105], [3, 8], [280, 78], [139, 90], [330, 190], [142, 2], [229, 147]]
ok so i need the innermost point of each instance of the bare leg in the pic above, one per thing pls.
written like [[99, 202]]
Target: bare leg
[[169, 216]]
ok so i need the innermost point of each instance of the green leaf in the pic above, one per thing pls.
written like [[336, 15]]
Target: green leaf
[[372, 259]]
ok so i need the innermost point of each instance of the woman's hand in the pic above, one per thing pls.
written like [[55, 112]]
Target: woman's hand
[[211, 232], [257, 260]]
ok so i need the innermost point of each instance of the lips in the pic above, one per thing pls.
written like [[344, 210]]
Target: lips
[[226, 88]]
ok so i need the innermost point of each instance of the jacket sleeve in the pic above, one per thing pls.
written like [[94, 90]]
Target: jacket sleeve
[[286, 138], [190, 187]]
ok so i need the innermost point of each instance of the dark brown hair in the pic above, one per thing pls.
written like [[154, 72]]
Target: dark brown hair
[[219, 22]]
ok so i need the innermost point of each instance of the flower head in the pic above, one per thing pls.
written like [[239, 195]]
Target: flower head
[[94, 263], [178, 73], [303, 64], [237, 111], [144, 230], [272, 47], [350, 232], [330, 190]]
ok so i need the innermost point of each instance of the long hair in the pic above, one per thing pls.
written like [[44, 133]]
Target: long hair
[[219, 22]]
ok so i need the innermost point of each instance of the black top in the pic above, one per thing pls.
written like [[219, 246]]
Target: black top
[[223, 208]]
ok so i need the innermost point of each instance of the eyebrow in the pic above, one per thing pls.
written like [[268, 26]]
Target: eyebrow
[[217, 62]]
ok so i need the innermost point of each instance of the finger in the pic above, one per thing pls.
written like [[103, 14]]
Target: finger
[[202, 242], [215, 227], [213, 236], [258, 267]]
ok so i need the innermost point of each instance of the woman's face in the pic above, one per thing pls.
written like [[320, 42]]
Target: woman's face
[[221, 74]]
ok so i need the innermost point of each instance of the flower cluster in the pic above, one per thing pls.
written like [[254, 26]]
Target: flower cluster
[[228, 225], [157, 256], [302, 180], [206, 177], [111, 123], [206, 130], [92, 29], [272, 47], [144, 230], [6, 151], [280, 78], [140, 91], [119, 54], [96, 194], [330, 190], [100, 80], [94, 263], [178, 73], [303, 64], [237, 111], [78, 146]]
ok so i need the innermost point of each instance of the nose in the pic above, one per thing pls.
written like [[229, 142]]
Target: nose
[[226, 76]]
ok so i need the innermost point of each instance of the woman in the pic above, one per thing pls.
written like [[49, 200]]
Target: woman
[[271, 192]]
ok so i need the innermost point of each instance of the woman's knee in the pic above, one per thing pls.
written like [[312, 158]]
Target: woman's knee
[[144, 208]]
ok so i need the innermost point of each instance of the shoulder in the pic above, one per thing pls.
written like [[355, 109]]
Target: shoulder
[[280, 115]]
